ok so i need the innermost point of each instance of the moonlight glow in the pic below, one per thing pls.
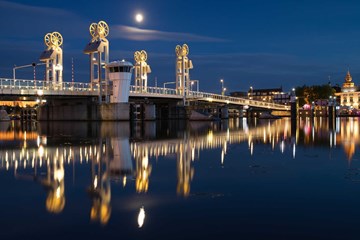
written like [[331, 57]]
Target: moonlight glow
[[139, 17]]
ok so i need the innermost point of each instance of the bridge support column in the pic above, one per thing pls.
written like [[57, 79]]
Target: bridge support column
[[224, 112], [331, 115], [115, 111], [143, 111], [293, 105], [149, 112]]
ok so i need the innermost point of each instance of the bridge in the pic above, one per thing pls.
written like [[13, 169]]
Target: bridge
[[109, 83], [39, 88]]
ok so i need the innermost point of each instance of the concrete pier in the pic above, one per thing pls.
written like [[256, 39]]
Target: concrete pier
[[114, 112], [68, 110]]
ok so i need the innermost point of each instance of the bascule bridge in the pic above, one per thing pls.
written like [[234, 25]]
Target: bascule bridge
[[109, 95]]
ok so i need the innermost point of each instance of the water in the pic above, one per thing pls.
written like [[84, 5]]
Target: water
[[180, 180]]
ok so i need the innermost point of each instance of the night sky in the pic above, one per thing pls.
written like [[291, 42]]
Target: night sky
[[256, 43]]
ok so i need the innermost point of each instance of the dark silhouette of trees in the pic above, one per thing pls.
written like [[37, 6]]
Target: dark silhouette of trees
[[308, 94]]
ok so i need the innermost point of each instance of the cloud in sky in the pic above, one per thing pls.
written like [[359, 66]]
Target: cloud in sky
[[139, 34], [31, 21], [11, 6]]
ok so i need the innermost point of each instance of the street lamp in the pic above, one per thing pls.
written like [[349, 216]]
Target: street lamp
[[250, 92], [24, 66], [168, 83], [223, 91], [222, 86], [197, 84]]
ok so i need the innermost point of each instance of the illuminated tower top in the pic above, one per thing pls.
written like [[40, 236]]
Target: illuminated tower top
[[53, 58], [348, 85]]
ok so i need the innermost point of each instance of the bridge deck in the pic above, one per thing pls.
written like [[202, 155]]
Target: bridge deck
[[21, 87]]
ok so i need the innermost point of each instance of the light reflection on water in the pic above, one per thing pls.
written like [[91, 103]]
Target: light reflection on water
[[132, 158]]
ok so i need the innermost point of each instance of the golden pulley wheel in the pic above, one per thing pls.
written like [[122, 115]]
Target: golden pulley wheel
[[182, 51], [178, 50], [102, 29], [93, 29], [185, 49], [47, 39], [143, 55], [137, 56], [56, 39]]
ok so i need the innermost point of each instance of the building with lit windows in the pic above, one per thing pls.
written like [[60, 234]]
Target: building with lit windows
[[275, 95], [350, 94]]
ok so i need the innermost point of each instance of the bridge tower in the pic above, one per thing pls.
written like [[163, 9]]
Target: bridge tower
[[53, 58], [183, 66], [141, 71], [98, 51], [119, 73]]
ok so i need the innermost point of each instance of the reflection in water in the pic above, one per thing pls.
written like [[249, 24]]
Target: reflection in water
[[143, 169], [349, 136], [316, 131], [185, 171], [141, 217], [100, 189], [111, 149], [54, 183]]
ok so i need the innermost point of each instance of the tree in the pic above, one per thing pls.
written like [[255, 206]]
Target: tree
[[308, 94]]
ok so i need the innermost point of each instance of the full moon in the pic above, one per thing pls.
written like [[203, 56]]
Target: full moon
[[139, 17]]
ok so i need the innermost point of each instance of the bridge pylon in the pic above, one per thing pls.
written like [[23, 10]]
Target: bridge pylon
[[53, 58], [98, 51], [183, 66], [141, 71]]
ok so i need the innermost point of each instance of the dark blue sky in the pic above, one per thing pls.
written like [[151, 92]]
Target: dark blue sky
[[247, 43]]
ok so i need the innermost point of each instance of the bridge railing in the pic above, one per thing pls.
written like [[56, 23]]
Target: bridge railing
[[22, 84], [228, 99], [153, 90]]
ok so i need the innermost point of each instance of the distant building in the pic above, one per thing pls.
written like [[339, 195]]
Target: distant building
[[281, 98], [264, 94], [239, 94], [275, 95], [349, 95]]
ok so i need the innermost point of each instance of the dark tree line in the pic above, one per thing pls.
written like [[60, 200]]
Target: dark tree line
[[308, 94]]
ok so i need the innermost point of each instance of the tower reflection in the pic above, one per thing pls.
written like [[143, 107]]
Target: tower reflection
[[111, 160], [54, 183]]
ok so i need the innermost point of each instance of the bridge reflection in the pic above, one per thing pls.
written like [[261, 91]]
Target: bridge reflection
[[122, 151]]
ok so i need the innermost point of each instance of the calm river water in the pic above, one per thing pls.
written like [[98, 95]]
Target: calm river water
[[238, 179]]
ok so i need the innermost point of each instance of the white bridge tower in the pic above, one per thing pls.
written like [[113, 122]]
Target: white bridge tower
[[120, 74], [183, 66], [53, 58], [98, 50], [141, 71]]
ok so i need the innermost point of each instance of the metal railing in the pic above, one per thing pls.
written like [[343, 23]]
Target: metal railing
[[212, 97], [153, 90], [22, 84]]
